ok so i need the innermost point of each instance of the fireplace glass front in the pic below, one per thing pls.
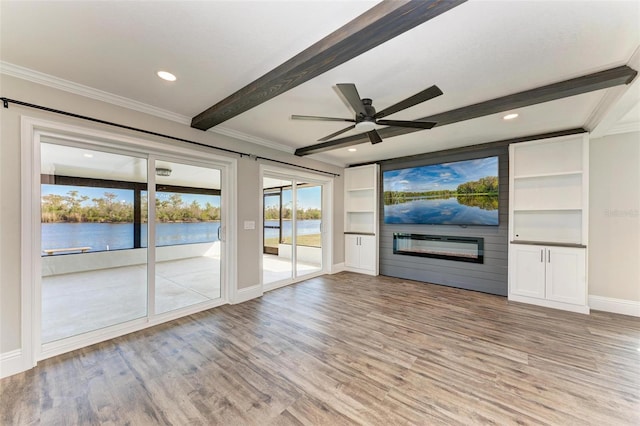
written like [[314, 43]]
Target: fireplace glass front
[[463, 249]]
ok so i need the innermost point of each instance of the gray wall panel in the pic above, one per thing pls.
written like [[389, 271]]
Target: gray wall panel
[[488, 277]]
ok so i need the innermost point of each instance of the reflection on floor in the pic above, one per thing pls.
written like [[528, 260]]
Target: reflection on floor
[[276, 268], [85, 301]]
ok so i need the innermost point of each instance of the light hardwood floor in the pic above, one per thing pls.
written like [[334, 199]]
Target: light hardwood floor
[[348, 349]]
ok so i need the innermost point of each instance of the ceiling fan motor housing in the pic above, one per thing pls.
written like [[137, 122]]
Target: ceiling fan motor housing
[[369, 110]]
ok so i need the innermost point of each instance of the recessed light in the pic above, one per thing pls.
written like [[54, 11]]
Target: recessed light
[[352, 150], [510, 116], [87, 155], [166, 76]]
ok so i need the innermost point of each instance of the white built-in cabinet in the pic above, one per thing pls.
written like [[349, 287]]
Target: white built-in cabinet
[[551, 273], [361, 219], [548, 222], [360, 252]]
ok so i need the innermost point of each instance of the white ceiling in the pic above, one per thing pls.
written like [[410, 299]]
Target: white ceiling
[[475, 52]]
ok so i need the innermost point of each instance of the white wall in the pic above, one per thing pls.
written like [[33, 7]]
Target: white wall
[[614, 219], [248, 183]]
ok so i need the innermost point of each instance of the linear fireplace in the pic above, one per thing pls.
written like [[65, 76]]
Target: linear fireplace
[[463, 249]]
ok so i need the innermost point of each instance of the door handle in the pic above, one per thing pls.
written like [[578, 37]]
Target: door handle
[[219, 233], [549, 256], [541, 255]]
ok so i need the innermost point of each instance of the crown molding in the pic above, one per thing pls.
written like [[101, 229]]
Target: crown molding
[[329, 160], [273, 145], [597, 120], [88, 92], [100, 95], [624, 128], [616, 102], [252, 139]]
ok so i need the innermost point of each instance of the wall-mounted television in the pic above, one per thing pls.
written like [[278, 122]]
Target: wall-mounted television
[[454, 193]]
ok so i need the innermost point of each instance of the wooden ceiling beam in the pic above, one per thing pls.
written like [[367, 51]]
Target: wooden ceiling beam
[[575, 86], [379, 24]]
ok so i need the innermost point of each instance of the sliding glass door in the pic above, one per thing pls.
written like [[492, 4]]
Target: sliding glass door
[[292, 213], [187, 235], [94, 256], [100, 211], [277, 230], [308, 228]]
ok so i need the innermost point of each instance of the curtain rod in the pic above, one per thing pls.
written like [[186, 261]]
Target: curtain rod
[[7, 101]]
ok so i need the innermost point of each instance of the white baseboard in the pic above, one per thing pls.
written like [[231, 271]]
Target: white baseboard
[[616, 306], [361, 271], [11, 363], [337, 267], [580, 309], [248, 293]]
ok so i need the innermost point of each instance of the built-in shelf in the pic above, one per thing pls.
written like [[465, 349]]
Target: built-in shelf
[[548, 222], [547, 243], [543, 175], [560, 191], [557, 209], [360, 189], [361, 219]]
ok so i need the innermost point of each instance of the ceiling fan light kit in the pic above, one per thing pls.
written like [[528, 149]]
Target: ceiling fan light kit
[[366, 118], [365, 126]]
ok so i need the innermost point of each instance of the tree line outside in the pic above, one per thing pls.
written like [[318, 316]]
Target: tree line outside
[[74, 207], [486, 186], [273, 213]]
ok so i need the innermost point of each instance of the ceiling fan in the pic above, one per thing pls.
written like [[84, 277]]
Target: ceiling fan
[[366, 116]]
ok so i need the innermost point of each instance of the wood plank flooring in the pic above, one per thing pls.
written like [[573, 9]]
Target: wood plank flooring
[[347, 349]]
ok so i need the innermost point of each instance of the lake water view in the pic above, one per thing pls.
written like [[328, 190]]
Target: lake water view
[[118, 236], [447, 211]]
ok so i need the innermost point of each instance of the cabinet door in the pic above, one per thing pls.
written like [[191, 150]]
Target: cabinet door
[[565, 270], [352, 251], [368, 252], [527, 271]]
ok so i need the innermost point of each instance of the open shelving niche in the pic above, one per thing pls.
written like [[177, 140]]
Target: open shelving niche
[[548, 191]]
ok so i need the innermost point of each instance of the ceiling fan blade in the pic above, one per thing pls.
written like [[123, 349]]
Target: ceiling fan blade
[[313, 117], [416, 99], [412, 124], [339, 132], [374, 137], [350, 93]]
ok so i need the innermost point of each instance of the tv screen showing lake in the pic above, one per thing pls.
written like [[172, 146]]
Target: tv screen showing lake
[[455, 193], [483, 210]]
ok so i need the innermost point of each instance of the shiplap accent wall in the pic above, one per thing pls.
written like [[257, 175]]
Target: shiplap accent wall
[[489, 277]]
